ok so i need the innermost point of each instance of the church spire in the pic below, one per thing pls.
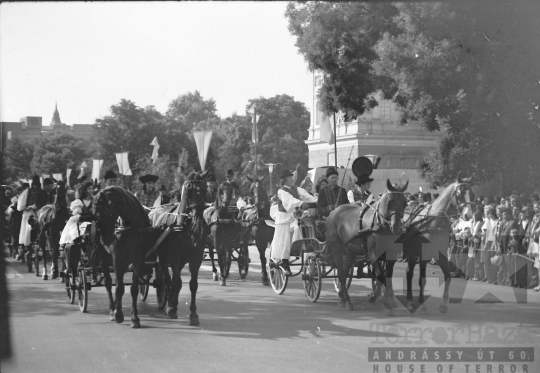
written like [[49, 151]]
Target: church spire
[[56, 117]]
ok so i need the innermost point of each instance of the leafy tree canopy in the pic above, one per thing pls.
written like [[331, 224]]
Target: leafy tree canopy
[[55, 152]]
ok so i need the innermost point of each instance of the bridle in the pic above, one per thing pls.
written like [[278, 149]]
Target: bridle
[[392, 212]]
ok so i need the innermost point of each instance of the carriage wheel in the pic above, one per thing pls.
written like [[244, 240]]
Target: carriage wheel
[[337, 285], [312, 278], [243, 261], [161, 290], [278, 279], [82, 288], [70, 286]]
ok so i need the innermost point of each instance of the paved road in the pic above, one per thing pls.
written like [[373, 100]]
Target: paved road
[[246, 327]]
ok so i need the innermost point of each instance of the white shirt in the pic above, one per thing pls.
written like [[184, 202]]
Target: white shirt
[[290, 204]]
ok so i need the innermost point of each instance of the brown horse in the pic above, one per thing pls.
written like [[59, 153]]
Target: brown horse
[[127, 246], [343, 240], [51, 220], [434, 217], [256, 228], [184, 242]]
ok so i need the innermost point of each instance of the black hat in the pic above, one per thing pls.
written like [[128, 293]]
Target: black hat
[[286, 173], [364, 179], [148, 178], [48, 181], [230, 173], [81, 179], [163, 188], [110, 175], [35, 180], [211, 177], [331, 171]]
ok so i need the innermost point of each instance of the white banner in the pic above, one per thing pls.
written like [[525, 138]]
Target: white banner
[[96, 168], [68, 174], [58, 177], [202, 140], [83, 166], [155, 153], [326, 124], [123, 163]]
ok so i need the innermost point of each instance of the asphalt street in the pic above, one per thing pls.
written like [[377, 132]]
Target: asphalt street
[[246, 327]]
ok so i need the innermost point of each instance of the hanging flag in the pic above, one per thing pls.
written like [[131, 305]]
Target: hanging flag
[[155, 151], [83, 166], [252, 111], [202, 140], [68, 174], [96, 168], [123, 163], [326, 124], [58, 177]]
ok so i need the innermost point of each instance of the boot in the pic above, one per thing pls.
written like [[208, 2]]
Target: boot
[[286, 268]]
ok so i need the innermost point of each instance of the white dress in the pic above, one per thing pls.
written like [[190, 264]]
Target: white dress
[[73, 229], [286, 225]]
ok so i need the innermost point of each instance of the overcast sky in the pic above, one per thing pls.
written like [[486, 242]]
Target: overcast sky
[[88, 56]]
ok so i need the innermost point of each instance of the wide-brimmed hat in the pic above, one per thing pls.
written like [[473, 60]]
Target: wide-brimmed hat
[[285, 173], [230, 173], [48, 181], [163, 188], [110, 175], [331, 171], [148, 178], [363, 179]]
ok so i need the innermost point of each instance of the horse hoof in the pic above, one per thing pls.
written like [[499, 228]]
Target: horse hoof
[[222, 281], [443, 308], [45, 277], [119, 317], [371, 298], [135, 324], [266, 281], [215, 276], [172, 313], [392, 304], [411, 306], [341, 303], [420, 300], [349, 306], [54, 276], [111, 316], [194, 320]]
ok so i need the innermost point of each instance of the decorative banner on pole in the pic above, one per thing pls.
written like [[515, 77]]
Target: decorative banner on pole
[[68, 174], [123, 163], [96, 168], [58, 177], [326, 125], [202, 140], [252, 111], [83, 166], [155, 154]]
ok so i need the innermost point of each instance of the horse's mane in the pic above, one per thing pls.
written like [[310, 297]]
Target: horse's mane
[[128, 206]]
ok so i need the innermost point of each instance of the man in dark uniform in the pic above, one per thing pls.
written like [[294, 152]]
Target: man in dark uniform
[[211, 197], [332, 195], [230, 183], [48, 188]]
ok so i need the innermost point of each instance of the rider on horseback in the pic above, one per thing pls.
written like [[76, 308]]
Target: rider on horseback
[[290, 198]]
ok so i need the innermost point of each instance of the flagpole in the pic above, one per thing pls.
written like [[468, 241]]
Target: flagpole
[[335, 140], [256, 137]]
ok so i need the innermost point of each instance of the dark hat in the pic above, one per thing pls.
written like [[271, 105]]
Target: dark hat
[[286, 173], [81, 179], [211, 177], [110, 175], [26, 185], [331, 171], [35, 180], [364, 179], [48, 181], [163, 188], [230, 173], [148, 178]]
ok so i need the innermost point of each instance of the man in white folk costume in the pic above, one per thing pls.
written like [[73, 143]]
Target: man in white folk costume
[[290, 198]]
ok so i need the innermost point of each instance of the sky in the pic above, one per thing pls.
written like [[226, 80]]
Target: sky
[[88, 56]]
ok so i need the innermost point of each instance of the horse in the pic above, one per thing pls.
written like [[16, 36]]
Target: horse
[[256, 227], [183, 241], [225, 232], [433, 216], [342, 236], [50, 221], [127, 246]]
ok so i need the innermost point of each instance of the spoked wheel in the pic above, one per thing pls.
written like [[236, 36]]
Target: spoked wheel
[[82, 288], [312, 277], [70, 286], [144, 287], [161, 289], [278, 279], [243, 261], [337, 285]]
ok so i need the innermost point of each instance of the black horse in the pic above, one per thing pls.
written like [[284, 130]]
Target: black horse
[[127, 245], [256, 228], [51, 220]]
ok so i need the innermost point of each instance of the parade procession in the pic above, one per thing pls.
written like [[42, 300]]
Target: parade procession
[[345, 144]]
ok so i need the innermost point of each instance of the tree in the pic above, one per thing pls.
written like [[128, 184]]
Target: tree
[[463, 68], [55, 152], [18, 158]]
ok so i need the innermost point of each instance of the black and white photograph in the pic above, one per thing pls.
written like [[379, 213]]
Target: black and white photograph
[[262, 186]]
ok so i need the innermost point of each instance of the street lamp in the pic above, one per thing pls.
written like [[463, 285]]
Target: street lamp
[[271, 170]]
